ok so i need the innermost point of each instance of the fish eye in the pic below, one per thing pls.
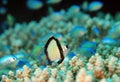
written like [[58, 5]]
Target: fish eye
[[66, 46], [14, 58]]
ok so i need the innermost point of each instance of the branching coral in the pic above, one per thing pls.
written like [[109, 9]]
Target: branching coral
[[102, 66], [94, 71]]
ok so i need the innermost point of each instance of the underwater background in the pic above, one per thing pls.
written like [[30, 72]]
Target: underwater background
[[59, 41]]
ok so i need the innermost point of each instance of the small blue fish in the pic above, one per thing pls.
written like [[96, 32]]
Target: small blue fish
[[73, 9], [87, 52], [114, 32], [71, 55], [77, 31], [23, 59], [9, 61], [56, 16], [107, 40], [88, 44], [34, 4], [84, 5], [12, 62], [87, 48], [21, 63], [96, 31], [53, 1], [94, 6]]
